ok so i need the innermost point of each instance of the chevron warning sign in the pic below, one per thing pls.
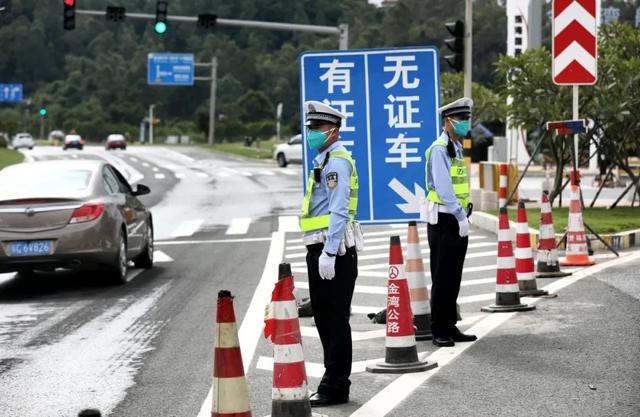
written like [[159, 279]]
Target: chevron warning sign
[[574, 42]]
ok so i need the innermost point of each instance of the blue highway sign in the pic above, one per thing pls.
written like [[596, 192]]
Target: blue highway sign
[[391, 99], [10, 93], [170, 69]]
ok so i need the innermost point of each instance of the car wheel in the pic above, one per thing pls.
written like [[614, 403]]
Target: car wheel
[[64, 148], [30, 148], [145, 259], [80, 148], [118, 270], [282, 161]]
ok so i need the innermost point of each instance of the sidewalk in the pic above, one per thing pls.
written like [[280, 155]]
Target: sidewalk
[[575, 355]]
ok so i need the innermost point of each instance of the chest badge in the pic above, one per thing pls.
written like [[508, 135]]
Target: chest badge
[[332, 180]]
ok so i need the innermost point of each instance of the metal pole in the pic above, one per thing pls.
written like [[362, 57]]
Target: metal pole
[[344, 36], [212, 99], [575, 136], [468, 45], [151, 123]]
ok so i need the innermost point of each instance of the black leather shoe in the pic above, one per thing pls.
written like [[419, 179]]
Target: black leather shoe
[[322, 400], [461, 337], [443, 341]]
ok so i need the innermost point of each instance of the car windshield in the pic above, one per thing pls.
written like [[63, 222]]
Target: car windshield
[[73, 137], [20, 182]]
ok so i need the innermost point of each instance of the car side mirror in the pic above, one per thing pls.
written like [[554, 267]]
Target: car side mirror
[[141, 189]]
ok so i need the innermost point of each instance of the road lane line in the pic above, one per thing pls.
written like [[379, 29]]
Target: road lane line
[[253, 322], [145, 164], [180, 175], [155, 169], [239, 226], [223, 174], [202, 242], [202, 175], [267, 173], [187, 228], [159, 176], [400, 389], [133, 159]]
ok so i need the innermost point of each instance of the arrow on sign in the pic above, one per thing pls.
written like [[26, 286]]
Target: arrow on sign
[[413, 200]]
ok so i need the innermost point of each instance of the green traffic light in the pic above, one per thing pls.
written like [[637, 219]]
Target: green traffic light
[[43, 112], [160, 27]]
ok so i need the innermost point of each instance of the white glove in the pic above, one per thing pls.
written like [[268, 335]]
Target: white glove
[[463, 227], [327, 266]]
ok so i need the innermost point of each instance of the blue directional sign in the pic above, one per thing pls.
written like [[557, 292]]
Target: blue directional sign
[[170, 69], [390, 98], [10, 93]]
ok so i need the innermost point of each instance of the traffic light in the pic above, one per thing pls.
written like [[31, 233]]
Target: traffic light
[[69, 14], [161, 17], [115, 14], [207, 21], [42, 111], [456, 45]]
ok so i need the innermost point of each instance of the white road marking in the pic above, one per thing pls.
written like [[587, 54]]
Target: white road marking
[[187, 228], [384, 274], [386, 265], [6, 277], [239, 226], [267, 173], [368, 241], [180, 175], [223, 174], [288, 172], [159, 176], [161, 257], [203, 242], [74, 156], [133, 159], [155, 169], [145, 164], [288, 223], [253, 322], [246, 173], [202, 175], [396, 392]]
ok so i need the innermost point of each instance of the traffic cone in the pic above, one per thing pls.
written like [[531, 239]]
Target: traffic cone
[[524, 257], [401, 355], [230, 397], [507, 290], [290, 395], [547, 260], [577, 252], [417, 280], [502, 191]]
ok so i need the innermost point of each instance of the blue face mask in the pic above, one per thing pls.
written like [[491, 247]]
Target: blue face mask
[[317, 138], [460, 127]]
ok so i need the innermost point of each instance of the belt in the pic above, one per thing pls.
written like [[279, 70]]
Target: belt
[[444, 209], [313, 239]]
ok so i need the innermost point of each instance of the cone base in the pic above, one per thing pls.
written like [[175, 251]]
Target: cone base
[[401, 368], [533, 293], [494, 308], [577, 261], [292, 408], [552, 274]]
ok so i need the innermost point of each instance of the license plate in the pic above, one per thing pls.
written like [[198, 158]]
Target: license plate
[[30, 248]]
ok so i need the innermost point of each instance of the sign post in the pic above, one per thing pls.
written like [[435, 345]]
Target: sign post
[[391, 98]]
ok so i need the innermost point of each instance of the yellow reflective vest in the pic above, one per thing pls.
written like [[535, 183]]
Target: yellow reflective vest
[[459, 177]]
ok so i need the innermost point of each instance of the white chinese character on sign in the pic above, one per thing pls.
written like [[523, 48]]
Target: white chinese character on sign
[[339, 75], [394, 301], [393, 327], [401, 70], [399, 147], [393, 289], [405, 112], [342, 107], [392, 314]]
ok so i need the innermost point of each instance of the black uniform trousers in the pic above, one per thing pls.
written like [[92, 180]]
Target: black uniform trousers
[[331, 303], [448, 251]]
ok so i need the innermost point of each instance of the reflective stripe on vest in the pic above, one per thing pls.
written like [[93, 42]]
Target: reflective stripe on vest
[[459, 179], [310, 223]]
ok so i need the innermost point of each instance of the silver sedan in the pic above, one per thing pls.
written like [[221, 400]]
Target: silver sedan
[[72, 214]]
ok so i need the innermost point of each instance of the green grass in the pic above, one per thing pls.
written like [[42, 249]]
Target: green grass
[[238, 148], [9, 157], [599, 218]]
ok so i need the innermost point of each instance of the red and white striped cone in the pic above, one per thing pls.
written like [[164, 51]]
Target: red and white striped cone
[[524, 257], [502, 191], [230, 398], [289, 394], [547, 260], [401, 355], [577, 253], [507, 289], [417, 280]]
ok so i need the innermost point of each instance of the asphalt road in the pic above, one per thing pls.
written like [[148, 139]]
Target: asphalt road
[[69, 340]]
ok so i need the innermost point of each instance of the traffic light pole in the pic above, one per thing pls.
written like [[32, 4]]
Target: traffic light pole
[[468, 44], [212, 98], [342, 31]]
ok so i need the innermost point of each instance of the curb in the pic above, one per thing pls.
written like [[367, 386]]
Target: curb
[[622, 240]]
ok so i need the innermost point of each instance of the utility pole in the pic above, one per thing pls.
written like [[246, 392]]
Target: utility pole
[[468, 44], [278, 117], [212, 97], [151, 107]]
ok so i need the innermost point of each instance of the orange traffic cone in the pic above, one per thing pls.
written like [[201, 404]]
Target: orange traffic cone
[[290, 395], [577, 253], [401, 355], [524, 257], [507, 289], [547, 261], [502, 191], [418, 291], [230, 397]]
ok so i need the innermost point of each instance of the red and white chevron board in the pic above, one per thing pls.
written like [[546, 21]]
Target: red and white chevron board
[[575, 46]]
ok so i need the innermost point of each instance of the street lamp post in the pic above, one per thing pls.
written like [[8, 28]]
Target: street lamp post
[[151, 107]]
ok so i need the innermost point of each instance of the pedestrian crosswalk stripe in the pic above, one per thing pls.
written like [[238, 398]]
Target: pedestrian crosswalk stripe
[[132, 159], [161, 257], [385, 274], [288, 172], [268, 173], [159, 176], [368, 240], [180, 175], [145, 164], [202, 175], [187, 228], [155, 169], [246, 173], [223, 174], [386, 265], [239, 226]]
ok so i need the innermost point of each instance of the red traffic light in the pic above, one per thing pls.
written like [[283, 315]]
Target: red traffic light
[[70, 2]]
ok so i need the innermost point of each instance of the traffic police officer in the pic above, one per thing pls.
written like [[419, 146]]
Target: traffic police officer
[[328, 212], [448, 208]]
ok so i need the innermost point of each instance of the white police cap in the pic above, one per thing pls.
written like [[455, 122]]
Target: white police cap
[[462, 106], [318, 111]]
